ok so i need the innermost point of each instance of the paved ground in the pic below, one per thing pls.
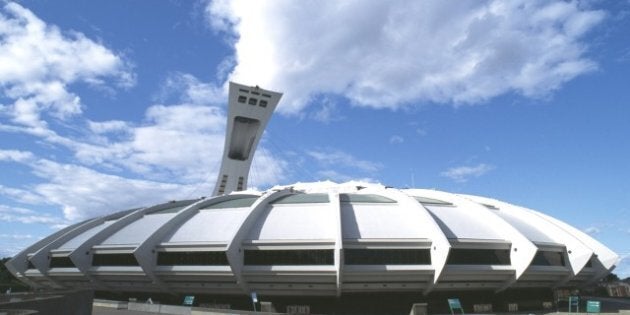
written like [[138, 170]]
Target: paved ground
[[609, 305], [96, 310]]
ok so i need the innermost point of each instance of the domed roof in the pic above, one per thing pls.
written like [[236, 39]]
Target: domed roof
[[318, 238]]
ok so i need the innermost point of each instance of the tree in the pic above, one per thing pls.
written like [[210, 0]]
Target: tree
[[5, 275], [611, 277]]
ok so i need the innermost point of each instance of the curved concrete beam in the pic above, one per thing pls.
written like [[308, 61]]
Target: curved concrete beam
[[234, 250], [440, 246], [81, 257], [145, 253]]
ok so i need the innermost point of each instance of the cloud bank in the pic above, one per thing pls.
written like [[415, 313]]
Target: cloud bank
[[38, 62], [111, 165], [392, 54], [462, 174]]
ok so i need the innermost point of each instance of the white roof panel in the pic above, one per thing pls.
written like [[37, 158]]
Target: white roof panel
[[216, 225], [81, 238], [532, 232], [461, 223], [295, 222], [364, 221], [139, 230]]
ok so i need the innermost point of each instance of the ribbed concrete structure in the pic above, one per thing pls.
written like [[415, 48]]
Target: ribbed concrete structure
[[322, 239], [312, 239]]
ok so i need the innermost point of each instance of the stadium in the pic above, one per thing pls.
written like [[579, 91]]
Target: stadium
[[318, 240]]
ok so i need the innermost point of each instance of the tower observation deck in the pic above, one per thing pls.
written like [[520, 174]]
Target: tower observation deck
[[249, 111]]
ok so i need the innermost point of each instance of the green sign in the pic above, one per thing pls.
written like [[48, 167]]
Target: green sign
[[593, 306], [189, 300], [454, 304]]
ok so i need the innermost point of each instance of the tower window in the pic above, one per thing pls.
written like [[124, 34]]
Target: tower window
[[252, 101], [242, 99]]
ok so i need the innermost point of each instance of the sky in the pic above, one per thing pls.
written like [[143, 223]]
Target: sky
[[110, 105]]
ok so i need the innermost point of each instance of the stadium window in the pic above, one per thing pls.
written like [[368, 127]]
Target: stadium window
[[263, 103], [546, 258], [432, 202], [364, 198], [232, 203], [61, 262], [461, 256], [357, 256], [253, 101], [302, 198], [289, 257], [192, 259], [114, 260], [242, 99]]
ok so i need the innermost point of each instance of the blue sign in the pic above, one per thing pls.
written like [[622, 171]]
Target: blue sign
[[189, 300], [254, 297], [593, 306]]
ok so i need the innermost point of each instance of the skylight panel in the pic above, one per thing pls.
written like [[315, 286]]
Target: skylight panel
[[364, 198], [432, 202], [232, 203], [302, 198]]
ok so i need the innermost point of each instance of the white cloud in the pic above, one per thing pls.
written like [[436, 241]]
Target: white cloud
[[623, 268], [119, 164], [592, 230], [394, 53], [396, 139], [339, 177], [82, 193], [21, 195], [108, 126], [339, 166], [186, 88], [342, 159], [17, 236], [327, 112], [27, 216], [462, 174], [15, 155], [38, 62]]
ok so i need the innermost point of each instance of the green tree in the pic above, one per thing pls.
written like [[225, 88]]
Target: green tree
[[611, 277], [5, 275]]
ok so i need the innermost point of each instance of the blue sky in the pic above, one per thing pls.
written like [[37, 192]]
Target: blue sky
[[110, 105]]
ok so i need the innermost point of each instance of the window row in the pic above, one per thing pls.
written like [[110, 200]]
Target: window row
[[252, 101], [352, 256]]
